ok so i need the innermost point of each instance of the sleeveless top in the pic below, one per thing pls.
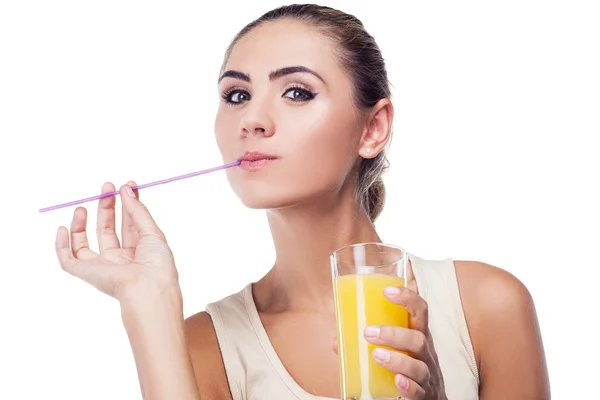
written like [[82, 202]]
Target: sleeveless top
[[255, 372]]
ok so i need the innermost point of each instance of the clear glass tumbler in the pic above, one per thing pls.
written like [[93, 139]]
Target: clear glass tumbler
[[360, 273]]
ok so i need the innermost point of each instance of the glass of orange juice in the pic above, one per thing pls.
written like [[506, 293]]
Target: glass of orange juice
[[360, 272]]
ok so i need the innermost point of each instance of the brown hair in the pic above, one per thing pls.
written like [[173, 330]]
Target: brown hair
[[362, 60]]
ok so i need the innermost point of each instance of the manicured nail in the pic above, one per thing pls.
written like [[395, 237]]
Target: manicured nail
[[391, 290], [129, 191], [372, 331], [382, 355], [401, 382]]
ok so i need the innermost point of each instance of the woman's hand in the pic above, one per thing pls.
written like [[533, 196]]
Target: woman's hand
[[418, 375], [141, 264], [140, 272]]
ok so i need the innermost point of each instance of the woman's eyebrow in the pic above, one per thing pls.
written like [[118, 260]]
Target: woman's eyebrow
[[235, 74], [292, 70], [273, 75]]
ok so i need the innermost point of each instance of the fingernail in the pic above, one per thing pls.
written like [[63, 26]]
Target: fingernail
[[401, 382], [130, 192], [391, 290], [382, 355], [372, 331]]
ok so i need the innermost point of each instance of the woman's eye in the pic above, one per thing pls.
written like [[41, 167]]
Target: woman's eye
[[298, 94], [236, 96]]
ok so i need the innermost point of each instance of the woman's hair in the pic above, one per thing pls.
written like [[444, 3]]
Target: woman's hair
[[362, 60]]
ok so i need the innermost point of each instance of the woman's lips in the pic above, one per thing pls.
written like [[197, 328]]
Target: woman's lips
[[255, 165], [254, 161]]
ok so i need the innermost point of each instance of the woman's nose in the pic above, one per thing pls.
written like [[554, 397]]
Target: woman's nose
[[257, 121]]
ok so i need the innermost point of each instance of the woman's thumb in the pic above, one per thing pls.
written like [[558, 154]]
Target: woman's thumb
[[142, 220]]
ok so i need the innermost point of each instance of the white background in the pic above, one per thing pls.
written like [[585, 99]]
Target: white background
[[494, 159]]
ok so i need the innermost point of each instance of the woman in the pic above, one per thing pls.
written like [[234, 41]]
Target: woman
[[306, 107]]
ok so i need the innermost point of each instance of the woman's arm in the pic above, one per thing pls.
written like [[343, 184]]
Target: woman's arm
[[156, 332], [139, 271], [504, 330]]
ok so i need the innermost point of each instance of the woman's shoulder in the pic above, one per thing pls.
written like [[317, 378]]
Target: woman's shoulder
[[492, 298], [206, 356], [203, 342], [200, 327], [477, 281], [489, 289], [502, 322]]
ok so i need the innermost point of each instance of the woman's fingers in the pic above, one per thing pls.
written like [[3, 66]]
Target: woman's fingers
[[409, 389], [106, 277], [334, 345], [65, 255], [138, 213], [80, 246], [75, 266], [105, 229], [414, 304], [129, 234], [400, 363], [398, 338]]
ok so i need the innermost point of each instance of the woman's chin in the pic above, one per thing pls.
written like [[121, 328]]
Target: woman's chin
[[261, 203], [267, 200]]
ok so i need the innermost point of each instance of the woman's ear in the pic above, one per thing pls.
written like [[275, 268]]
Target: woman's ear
[[377, 130]]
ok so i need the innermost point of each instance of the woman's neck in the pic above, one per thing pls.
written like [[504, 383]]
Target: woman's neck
[[304, 239]]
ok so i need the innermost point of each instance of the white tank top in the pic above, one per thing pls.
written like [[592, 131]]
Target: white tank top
[[255, 372]]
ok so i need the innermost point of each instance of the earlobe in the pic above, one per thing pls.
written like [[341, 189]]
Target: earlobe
[[378, 129], [368, 149]]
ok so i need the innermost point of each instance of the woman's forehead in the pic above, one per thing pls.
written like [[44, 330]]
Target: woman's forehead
[[278, 44]]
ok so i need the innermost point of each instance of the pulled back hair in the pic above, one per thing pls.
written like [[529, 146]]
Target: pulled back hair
[[361, 58]]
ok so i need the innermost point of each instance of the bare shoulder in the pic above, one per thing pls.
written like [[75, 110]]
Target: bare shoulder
[[206, 357], [492, 297], [497, 288], [504, 330]]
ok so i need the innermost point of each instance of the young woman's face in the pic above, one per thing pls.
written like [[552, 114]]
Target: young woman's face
[[286, 96]]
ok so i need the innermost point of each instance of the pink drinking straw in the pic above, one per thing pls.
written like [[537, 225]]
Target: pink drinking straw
[[145, 185]]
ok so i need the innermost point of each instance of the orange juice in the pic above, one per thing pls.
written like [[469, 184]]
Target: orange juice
[[359, 302]]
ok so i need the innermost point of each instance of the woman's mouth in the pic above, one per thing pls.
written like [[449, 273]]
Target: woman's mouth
[[254, 161]]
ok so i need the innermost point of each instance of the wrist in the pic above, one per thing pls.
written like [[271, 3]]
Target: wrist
[[153, 319], [155, 326], [145, 307], [151, 295]]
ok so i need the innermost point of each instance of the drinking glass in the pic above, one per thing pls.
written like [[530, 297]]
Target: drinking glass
[[360, 272]]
